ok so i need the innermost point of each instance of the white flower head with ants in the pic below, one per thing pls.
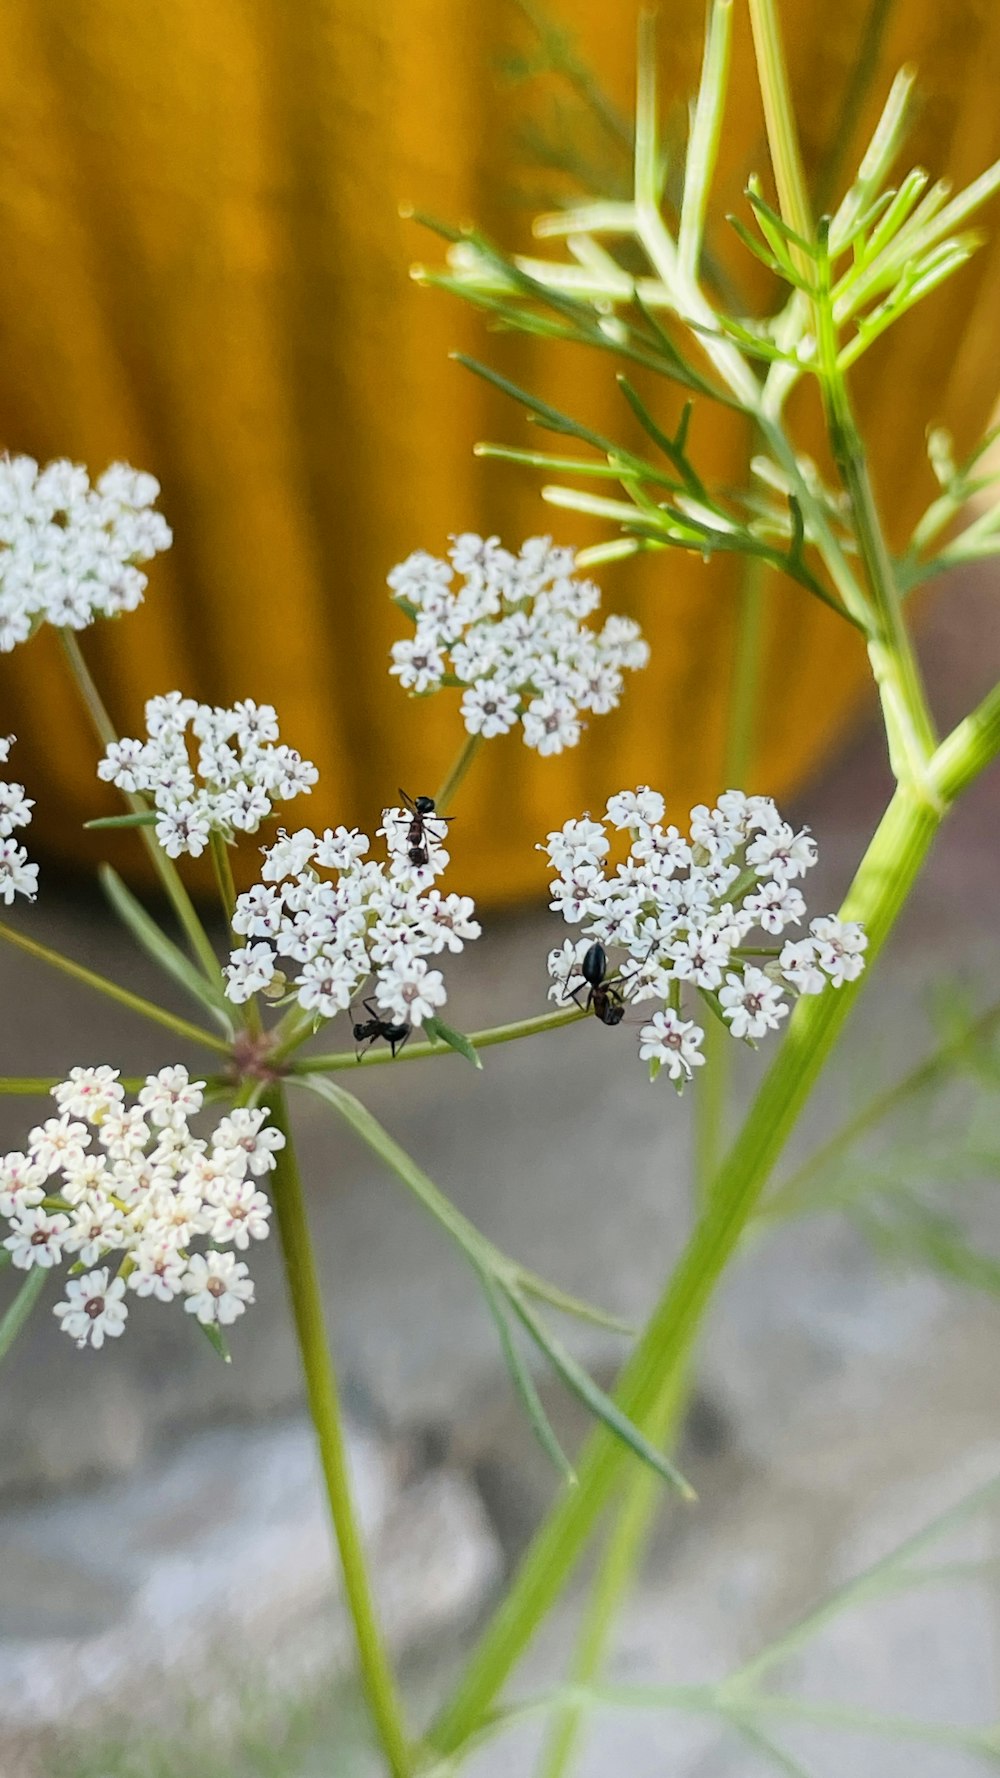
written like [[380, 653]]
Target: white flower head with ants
[[689, 919]]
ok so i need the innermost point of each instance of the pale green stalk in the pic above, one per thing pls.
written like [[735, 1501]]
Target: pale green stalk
[[419, 1052], [17, 1312], [706, 129], [460, 765], [324, 1407], [165, 868], [223, 869], [147, 1009]]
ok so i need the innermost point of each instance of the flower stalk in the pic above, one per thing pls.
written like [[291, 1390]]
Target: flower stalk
[[306, 1298]]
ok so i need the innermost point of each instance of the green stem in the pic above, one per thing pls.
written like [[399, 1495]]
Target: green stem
[[909, 725], [15, 1316], [643, 1497], [223, 869], [335, 1060], [165, 868], [324, 1407], [784, 1201], [706, 129], [887, 874], [135, 1002], [460, 765], [779, 117]]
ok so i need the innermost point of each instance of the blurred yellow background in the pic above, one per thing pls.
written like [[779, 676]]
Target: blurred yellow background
[[204, 271]]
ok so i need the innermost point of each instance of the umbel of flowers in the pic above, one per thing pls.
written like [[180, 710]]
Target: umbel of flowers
[[207, 769], [133, 1203], [17, 876], [692, 918], [512, 634], [326, 919], [70, 552]]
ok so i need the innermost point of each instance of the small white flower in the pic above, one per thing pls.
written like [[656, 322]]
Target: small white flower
[[158, 1270], [94, 1310], [171, 1097], [218, 1288], [840, 948], [632, 807], [550, 725], [752, 1004], [90, 1093], [249, 971], [799, 966], [673, 1042], [490, 708], [37, 1238], [248, 1132], [410, 991]]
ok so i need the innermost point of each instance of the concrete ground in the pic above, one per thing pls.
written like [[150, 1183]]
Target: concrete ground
[[153, 1500]]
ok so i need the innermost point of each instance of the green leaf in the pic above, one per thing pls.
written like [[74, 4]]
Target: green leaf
[[593, 1397], [524, 1384], [139, 818], [217, 1340], [170, 958], [436, 1028]]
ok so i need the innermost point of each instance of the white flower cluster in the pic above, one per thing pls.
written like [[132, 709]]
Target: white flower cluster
[[17, 876], [237, 776], [377, 919], [696, 913], [70, 552], [513, 636], [145, 1192]]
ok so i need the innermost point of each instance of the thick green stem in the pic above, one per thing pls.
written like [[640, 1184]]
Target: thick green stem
[[880, 889], [460, 765], [165, 868], [324, 1407], [147, 1009], [641, 1500]]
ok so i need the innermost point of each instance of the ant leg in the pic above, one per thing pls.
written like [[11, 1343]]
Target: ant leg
[[371, 1009], [398, 1043]]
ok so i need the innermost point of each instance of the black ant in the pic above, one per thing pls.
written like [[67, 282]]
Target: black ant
[[604, 998], [422, 808], [368, 1031]]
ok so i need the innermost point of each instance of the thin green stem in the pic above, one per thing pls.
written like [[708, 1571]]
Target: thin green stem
[[324, 1406], [147, 1009], [783, 1202], [419, 1052], [223, 869], [460, 765], [165, 868], [887, 874], [16, 1314]]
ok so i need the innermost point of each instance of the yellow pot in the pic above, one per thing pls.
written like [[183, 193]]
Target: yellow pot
[[204, 271]]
